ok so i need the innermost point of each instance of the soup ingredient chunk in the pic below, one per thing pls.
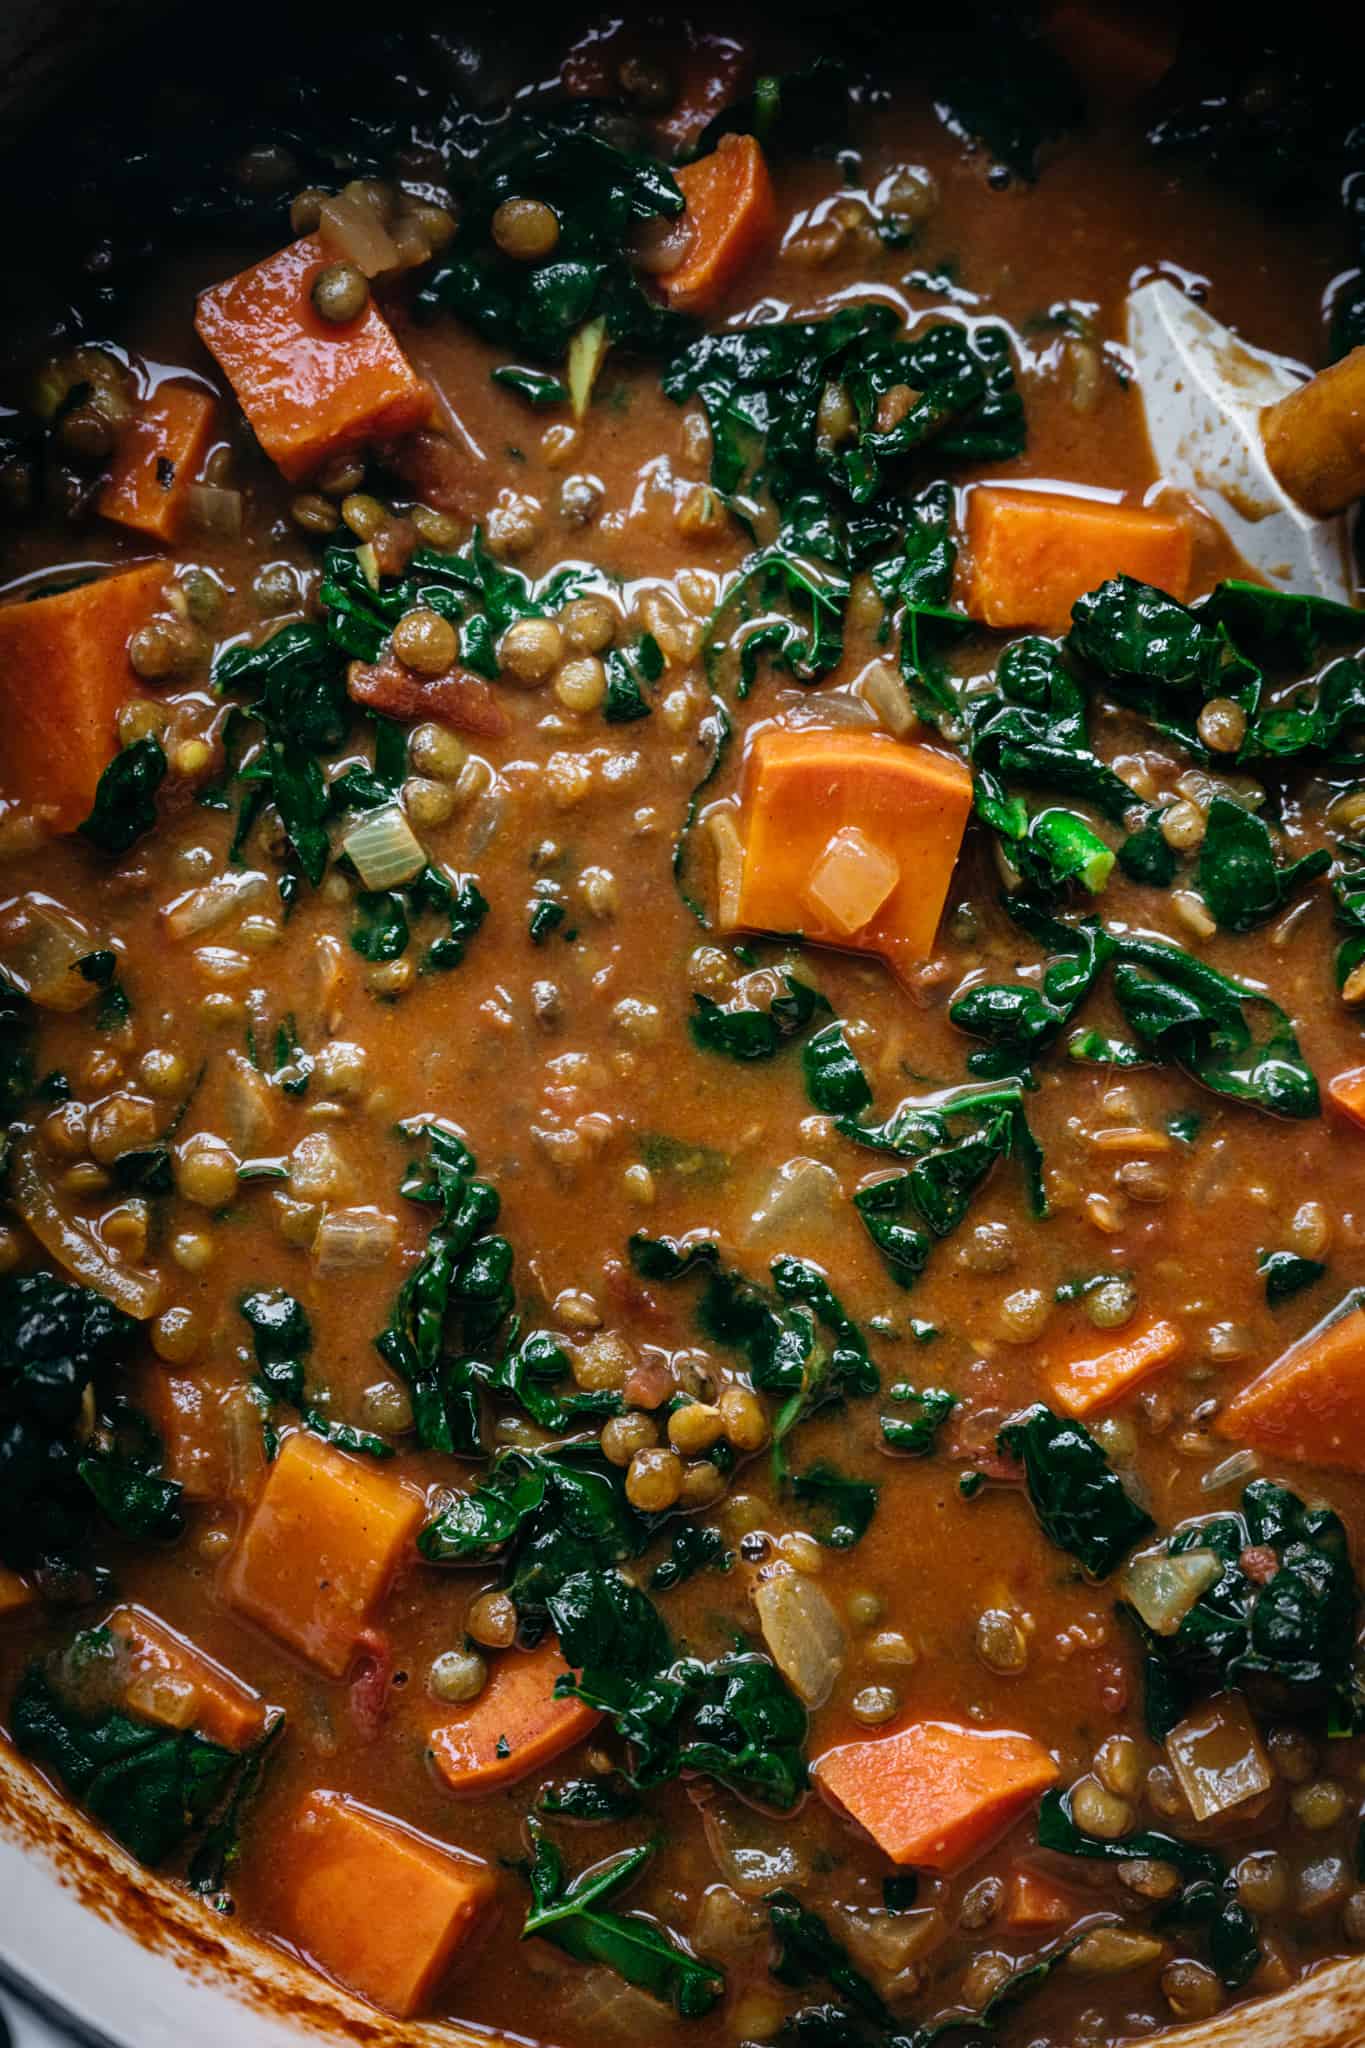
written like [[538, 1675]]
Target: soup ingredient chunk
[[850, 839], [1098, 1379], [514, 1726], [311, 388], [936, 1794], [1033, 553], [731, 216], [64, 673], [159, 455], [1218, 1757], [210, 1431], [1315, 438], [16, 1594], [173, 1682], [1308, 1405], [379, 1908], [324, 1540]]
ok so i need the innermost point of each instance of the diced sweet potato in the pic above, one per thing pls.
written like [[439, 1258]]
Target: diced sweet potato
[[514, 1726], [16, 1594], [173, 1682], [64, 673], [1095, 1379], [1346, 1093], [936, 1794], [1309, 1404], [158, 459], [1033, 553], [730, 219], [1034, 1902], [323, 1542], [850, 839], [210, 1432], [311, 390], [377, 1907], [1315, 438]]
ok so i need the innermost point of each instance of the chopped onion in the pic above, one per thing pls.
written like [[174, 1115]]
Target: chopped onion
[[202, 910], [1216, 1754], [803, 1634], [384, 848], [801, 1191], [75, 1246], [729, 852], [250, 1103], [1231, 1471], [885, 694], [214, 509], [351, 229], [43, 956], [587, 353], [851, 880], [753, 1852], [352, 1238], [887, 1943], [1163, 1589]]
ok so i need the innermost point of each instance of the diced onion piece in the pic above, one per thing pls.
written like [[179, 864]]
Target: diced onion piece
[[587, 353], [43, 955], [729, 851], [1234, 1470], [228, 895], [410, 243], [214, 509], [851, 880], [885, 694], [384, 848], [1163, 1589], [351, 1238], [804, 1635], [75, 1246], [801, 1191], [753, 1852], [163, 1697], [1217, 1756], [352, 230], [251, 1104]]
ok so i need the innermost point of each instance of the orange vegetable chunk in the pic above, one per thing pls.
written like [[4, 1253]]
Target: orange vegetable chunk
[[514, 1726], [1033, 553], [850, 838], [731, 216], [1099, 1378], [16, 1594], [936, 1794], [377, 1907], [210, 1432], [1310, 1404], [310, 390], [64, 673], [174, 1683], [158, 458], [1034, 1902], [322, 1544], [1346, 1092]]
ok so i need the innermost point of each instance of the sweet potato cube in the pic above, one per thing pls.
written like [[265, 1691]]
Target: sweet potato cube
[[16, 1594], [377, 1907], [310, 390], [210, 1432], [64, 673], [158, 458], [173, 1682], [936, 1794], [731, 219], [1094, 1378], [1308, 1406], [1033, 553], [1034, 1902], [323, 1542], [514, 1726], [849, 839], [1346, 1093]]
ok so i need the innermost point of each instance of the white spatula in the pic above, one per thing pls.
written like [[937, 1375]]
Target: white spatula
[[1274, 459]]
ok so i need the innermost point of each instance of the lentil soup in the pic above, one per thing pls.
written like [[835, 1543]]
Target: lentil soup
[[681, 1349]]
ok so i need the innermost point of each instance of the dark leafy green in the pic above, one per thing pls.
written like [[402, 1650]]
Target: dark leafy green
[[696, 1547], [835, 1082], [840, 1508], [282, 1337], [1239, 877], [1287, 1274], [630, 675], [756, 1034], [125, 798], [917, 1432], [1077, 1496]]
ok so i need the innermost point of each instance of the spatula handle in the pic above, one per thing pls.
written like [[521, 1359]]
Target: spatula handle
[[1315, 438]]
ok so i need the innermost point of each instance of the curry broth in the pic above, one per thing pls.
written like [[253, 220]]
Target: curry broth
[[565, 1064]]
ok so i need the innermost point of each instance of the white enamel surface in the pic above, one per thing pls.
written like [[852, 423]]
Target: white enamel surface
[[1203, 391]]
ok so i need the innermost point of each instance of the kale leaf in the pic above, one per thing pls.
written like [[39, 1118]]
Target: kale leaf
[[629, 676], [1287, 1274], [840, 1508], [1239, 877], [1077, 1496], [282, 1337], [756, 1034], [125, 797], [571, 1913], [696, 1547], [805, 1952], [917, 1432], [835, 1082]]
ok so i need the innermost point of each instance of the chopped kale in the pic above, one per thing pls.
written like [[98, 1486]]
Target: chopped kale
[[917, 1432], [840, 1508], [756, 1034], [629, 676], [1077, 1496], [125, 799], [696, 1547], [282, 1337], [1239, 877], [1287, 1274], [835, 1082]]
